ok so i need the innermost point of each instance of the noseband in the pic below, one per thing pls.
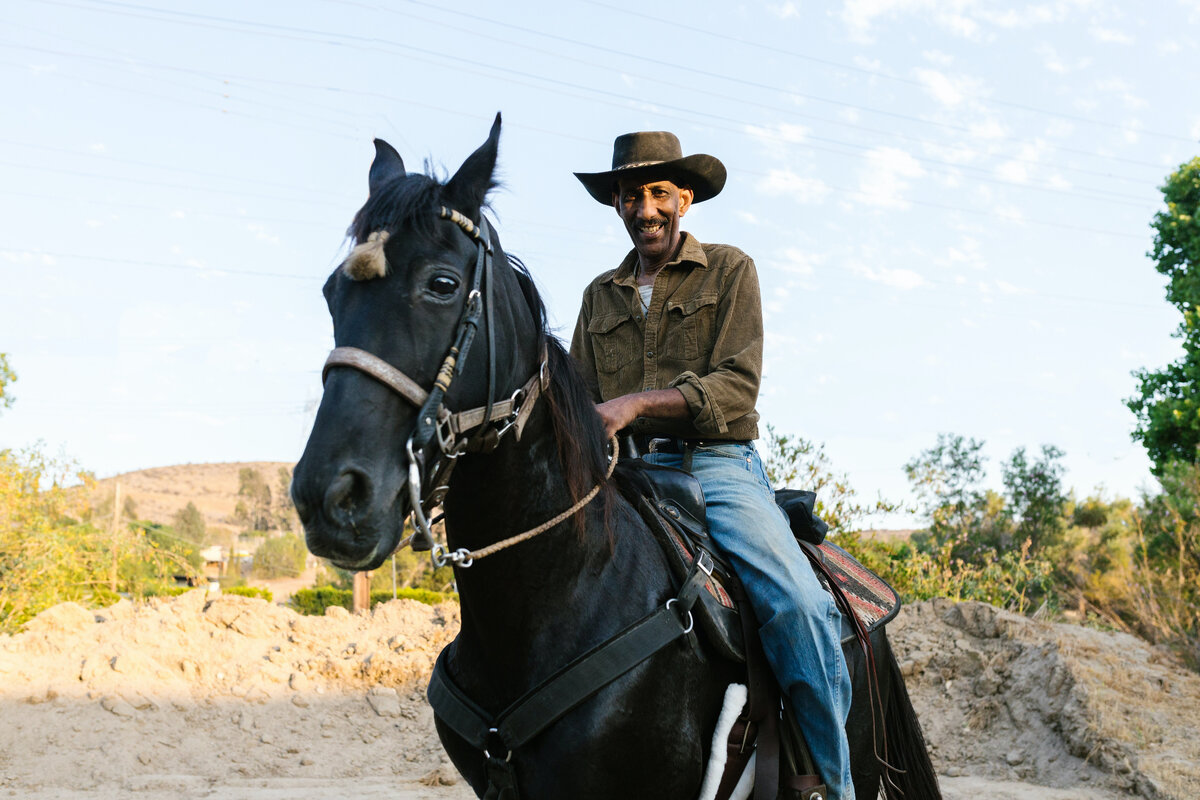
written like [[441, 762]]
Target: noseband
[[441, 436]]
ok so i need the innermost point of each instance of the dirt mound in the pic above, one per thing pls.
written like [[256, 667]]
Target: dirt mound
[[1006, 698], [236, 698]]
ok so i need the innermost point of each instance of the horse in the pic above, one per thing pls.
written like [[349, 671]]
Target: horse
[[430, 314]]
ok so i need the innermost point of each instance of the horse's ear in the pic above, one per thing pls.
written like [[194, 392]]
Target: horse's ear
[[469, 187], [386, 166]]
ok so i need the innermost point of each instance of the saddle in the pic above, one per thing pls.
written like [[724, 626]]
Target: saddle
[[671, 502]]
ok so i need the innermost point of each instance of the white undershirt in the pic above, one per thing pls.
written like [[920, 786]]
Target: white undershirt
[[646, 292]]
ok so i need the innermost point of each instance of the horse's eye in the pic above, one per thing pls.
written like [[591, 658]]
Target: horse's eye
[[444, 286]]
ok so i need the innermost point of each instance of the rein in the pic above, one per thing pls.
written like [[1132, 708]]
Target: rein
[[441, 436]]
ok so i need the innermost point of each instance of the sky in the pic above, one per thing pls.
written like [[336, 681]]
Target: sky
[[948, 202]]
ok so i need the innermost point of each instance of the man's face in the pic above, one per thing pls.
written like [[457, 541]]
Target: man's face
[[651, 213]]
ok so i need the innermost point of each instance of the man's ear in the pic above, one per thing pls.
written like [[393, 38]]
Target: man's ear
[[685, 199]]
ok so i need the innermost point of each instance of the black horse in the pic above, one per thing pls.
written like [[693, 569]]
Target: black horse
[[406, 307]]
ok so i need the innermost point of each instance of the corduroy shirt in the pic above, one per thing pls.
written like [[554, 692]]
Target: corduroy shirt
[[702, 334]]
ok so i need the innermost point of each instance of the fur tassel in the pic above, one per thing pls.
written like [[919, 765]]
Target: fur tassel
[[735, 700], [368, 260]]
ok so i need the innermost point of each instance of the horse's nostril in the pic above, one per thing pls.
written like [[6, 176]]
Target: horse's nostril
[[349, 491]]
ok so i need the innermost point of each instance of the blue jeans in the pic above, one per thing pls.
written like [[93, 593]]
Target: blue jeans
[[800, 625]]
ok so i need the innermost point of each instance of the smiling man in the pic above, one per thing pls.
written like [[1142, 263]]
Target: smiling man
[[672, 341]]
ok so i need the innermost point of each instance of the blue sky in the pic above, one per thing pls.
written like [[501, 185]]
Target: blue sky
[[948, 203]]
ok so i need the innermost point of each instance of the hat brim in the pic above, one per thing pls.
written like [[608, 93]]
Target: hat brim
[[703, 173]]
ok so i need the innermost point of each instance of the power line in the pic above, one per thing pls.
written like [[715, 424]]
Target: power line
[[643, 17]]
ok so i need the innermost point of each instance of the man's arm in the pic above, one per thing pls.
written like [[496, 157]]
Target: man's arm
[[730, 388], [621, 411]]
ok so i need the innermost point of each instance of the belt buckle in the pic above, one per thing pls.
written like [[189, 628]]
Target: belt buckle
[[658, 442]]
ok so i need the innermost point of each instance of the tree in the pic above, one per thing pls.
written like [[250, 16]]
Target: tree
[[7, 378], [1167, 405], [946, 478], [280, 557], [189, 524], [1036, 498], [254, 508]]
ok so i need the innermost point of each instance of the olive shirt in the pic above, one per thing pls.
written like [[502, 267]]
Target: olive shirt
[[702, 334]]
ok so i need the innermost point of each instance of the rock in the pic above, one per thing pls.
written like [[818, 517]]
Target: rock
[[116, 705], [384, 700], [306, 761], [441, 776], [336, 612], [300, 701], [298, 681], [1014, 758]]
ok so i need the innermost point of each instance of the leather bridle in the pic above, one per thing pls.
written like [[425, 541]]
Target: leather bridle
[[440, 435]]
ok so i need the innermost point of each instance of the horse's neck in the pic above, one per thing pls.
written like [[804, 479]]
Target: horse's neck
[[511, 491]]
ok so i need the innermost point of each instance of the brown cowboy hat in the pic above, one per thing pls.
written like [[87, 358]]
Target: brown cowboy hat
[[655, 155]]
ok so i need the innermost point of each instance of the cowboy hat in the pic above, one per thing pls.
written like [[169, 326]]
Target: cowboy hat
[[655, 155]]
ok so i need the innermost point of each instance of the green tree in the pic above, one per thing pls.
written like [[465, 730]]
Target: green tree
[[1036, 498], [947, 480], [280, 557], [1167, 404], [254, 506], [189, 524], [7, 378]]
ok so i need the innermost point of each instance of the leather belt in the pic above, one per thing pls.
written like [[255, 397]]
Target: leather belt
[[678, 446]]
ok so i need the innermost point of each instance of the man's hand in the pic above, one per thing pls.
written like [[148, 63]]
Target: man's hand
[[620, 412]]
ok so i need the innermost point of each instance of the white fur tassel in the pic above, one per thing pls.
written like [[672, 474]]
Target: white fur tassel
[[735, 700], [368, 260]]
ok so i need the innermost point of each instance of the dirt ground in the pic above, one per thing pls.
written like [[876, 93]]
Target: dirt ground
[[236, 698]]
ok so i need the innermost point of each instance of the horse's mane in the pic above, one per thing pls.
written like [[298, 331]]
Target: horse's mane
[[578, 429], [411, 203]]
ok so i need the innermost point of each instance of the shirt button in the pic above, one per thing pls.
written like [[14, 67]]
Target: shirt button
[[649, 354]]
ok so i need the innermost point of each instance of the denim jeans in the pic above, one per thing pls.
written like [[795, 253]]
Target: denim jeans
[[800, 625]]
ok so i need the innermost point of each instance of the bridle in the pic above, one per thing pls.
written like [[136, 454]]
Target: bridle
[[441, 436]]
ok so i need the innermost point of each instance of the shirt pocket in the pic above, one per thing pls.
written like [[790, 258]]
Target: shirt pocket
[[616, 340], [691, 326]]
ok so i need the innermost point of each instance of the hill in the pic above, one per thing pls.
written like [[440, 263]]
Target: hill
[[160, 492]]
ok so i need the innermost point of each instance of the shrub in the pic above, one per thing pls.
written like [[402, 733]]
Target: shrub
[[315, 600], [250, 591]]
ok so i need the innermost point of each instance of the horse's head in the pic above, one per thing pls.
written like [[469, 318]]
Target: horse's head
[[403, 296]]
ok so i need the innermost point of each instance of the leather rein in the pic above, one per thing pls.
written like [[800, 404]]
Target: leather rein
[[440, 435]]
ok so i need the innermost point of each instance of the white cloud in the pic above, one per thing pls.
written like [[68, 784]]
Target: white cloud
[[990, 129], [885, 176], [898, 278], [795, 187], [97, 147], [1109, 36], [260, 233], [786, 132], [947, 90], [785, 11], [1122, 89], [178, 214], [93, 223], [27, 257], [1059, 65], [938, 57], [798, 261]]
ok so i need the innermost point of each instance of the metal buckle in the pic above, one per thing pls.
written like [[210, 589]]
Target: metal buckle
[[459, 558], [704, 563], [690, 621], [420, 523]]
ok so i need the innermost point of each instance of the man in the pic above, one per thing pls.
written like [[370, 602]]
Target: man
[[673, 340]]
